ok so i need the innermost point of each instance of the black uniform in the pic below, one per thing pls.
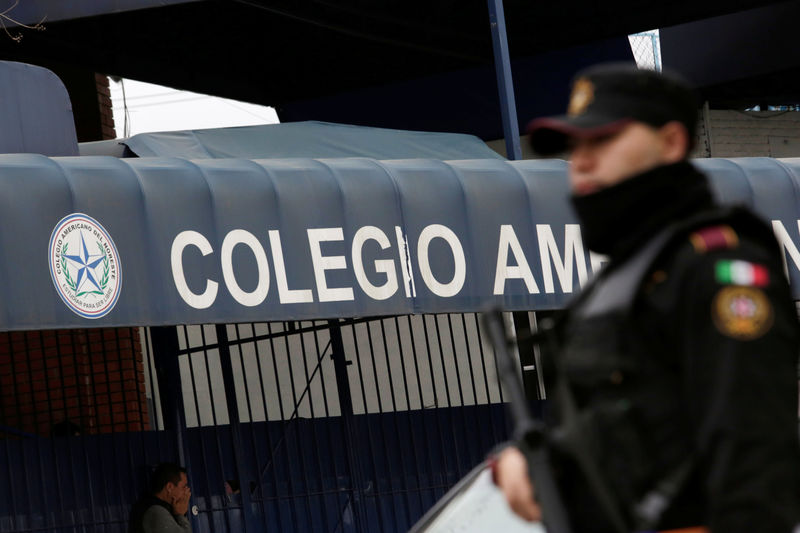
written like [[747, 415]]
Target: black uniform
[[689, 381]]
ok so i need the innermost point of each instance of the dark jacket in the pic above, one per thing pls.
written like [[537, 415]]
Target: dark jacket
[[695, 371]]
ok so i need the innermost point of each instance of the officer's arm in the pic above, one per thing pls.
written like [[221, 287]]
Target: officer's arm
[[740, 344]]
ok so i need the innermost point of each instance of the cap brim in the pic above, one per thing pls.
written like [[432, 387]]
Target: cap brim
[[551, 135]]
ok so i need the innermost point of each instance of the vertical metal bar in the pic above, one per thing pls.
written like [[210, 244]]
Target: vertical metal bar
[[309, 390], [203, 455], [253, 448], [340, 364], [235, 426], [213, 400], [409, 417], [459, 385], [468, 354], [447, 390], [259, 472], [165, 356], [505, 85], [346, 438], [426, 439], [655, 40], [403, 470], [274, 449], [442, 448], [380, 403], [486, 377], [381, 518], [297, 404]]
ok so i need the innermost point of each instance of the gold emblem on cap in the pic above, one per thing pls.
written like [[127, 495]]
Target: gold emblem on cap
[[582, 96], [743, 313]]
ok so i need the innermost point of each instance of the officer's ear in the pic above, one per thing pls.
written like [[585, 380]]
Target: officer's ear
[[674, 141]]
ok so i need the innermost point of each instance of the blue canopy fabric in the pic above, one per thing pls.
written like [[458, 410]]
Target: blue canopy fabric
[[35, 112], [158, 241], [309, 139]]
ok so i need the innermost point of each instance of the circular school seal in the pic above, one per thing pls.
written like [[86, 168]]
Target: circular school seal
[[743, 313], [85, 266]]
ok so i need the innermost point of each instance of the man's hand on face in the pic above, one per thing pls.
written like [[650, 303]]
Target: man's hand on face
[[180, 500], [511, 477]]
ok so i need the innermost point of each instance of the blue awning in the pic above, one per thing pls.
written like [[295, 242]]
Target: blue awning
[[308, 139], [156, 241]]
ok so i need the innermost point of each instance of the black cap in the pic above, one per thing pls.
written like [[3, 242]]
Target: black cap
[[606, 97]]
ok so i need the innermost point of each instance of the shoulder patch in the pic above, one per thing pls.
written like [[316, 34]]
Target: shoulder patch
[[721, 237], [742, 313]]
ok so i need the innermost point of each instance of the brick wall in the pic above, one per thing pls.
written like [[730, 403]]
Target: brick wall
[[107, 127], [56, 382]]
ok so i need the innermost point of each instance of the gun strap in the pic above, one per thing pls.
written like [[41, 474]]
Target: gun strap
[[653, 504]]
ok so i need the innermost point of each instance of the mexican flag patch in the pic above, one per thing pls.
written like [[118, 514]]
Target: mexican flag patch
[[735, 272]]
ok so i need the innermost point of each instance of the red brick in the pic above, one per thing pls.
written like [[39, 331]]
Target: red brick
[[24, 397]]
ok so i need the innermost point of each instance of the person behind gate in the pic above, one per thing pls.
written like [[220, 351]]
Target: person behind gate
[[164, 508], [672, 378]]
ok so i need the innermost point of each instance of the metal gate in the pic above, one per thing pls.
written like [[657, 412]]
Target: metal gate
[[336, 426]]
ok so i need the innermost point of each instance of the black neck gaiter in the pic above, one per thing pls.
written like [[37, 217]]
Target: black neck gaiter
[[616, 219]]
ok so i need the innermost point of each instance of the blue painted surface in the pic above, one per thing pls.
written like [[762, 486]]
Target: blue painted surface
[[296, 472]]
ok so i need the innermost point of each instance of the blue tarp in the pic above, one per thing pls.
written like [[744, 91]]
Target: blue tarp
[[166, 240], [309, 139]]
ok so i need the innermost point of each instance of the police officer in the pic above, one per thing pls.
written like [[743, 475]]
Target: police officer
[[672, 392]]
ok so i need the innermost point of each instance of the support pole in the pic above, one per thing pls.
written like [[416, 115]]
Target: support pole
[[346, 405], [505, 85]]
